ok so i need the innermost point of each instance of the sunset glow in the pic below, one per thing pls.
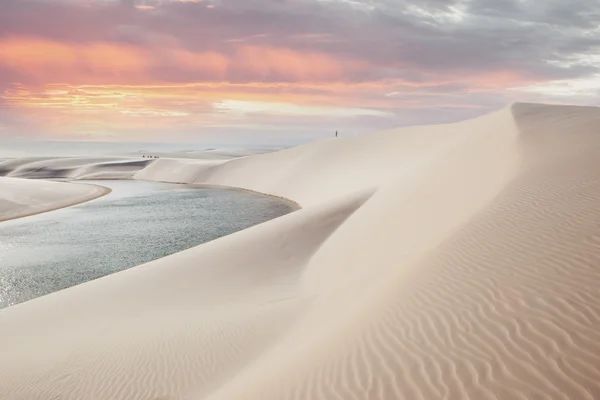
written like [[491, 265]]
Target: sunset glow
[[132, 70]]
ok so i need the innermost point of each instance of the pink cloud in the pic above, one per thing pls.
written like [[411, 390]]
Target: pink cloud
[[122, 63]]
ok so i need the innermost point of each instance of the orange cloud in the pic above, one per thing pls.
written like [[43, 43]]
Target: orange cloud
[[208, 63], [36, 53], [50, 61], [102, 87], [307, 66], [97, 62]]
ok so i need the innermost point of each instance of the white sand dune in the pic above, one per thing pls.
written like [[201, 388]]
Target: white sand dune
[[446, 262], [22, 197], [72, 167], [110, 167], [208, 154]]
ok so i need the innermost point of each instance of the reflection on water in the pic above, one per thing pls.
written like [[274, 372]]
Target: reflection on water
[[136, 223]]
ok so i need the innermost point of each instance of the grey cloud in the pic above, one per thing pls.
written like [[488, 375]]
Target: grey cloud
[[491, 35]]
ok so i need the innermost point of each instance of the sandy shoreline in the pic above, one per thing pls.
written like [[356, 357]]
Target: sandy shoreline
[[455, 261], [28, 210], [200, 185]]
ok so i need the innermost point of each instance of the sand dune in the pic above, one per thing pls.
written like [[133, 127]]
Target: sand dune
[[72, 167], [208, 154], [445, 262], [113, 167], [22, 197]]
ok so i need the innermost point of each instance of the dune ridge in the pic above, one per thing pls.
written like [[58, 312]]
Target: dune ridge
[[110, 167], [72, 167], [455, 262]]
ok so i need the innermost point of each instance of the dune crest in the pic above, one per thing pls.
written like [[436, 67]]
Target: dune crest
[[455, 261]]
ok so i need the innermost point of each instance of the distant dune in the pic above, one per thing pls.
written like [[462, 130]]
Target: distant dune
[[110, 167], [453, 261], [72, 167]]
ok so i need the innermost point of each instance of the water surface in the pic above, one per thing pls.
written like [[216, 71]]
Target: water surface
[[136, 223]]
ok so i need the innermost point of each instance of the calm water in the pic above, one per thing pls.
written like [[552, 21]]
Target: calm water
[[136, 223]]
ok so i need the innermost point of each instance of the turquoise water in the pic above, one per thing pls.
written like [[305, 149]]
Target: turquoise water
[[136, 223]]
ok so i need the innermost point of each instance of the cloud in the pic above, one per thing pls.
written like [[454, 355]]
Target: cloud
[[459, 56], [394, 38]]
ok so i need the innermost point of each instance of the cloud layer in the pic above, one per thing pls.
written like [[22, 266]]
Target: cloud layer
[[158, 69]]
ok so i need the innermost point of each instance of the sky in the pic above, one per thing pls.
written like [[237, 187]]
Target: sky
[[283, 71]]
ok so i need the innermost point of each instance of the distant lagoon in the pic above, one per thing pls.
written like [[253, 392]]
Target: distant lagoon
[[136, 223]]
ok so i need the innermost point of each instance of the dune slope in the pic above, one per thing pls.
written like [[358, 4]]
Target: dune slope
[[22, 197], [452, 262]]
